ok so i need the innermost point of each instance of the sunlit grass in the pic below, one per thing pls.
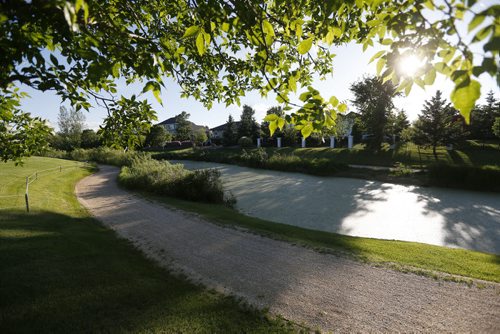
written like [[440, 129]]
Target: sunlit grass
[[401, 254]]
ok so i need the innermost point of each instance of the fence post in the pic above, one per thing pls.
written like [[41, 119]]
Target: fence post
[[26, 196], [60, 168], [36, 175]]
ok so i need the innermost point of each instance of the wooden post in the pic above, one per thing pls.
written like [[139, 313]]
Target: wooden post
[[60, 168], [26, 196]]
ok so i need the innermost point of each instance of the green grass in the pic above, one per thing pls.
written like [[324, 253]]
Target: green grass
[[472, 153], [397, 254], [62, 271]]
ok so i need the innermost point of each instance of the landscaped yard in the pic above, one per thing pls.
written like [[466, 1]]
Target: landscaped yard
[[62, 271], [473, 153]]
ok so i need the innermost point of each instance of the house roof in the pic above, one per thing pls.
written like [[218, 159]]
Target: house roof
[[173, 120], [223, 126]]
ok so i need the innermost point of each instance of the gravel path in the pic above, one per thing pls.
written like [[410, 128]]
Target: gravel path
[[320, 290], [437, 216]]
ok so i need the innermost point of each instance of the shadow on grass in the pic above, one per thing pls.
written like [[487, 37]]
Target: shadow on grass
[[64, 274]]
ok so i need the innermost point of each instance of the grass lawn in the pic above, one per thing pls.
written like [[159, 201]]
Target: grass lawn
[[471, 153], [62, 271], [396, 254]]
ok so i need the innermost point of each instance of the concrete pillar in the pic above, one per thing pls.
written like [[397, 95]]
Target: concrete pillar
[[350, 142], [258, 142], [303, 142], [332, 142], [279, 142]]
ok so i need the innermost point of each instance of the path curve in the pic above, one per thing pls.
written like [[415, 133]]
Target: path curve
[[320, 290], [362, 208]]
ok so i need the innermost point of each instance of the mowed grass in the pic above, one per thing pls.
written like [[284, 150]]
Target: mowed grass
[[61, 271], [472, 153], [396, 254]]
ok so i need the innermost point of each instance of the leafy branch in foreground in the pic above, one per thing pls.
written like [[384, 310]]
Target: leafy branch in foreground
[[219, 50]]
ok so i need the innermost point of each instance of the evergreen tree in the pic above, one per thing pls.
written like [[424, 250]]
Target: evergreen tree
[[248, 126], [229, 136], [373, 99], [396, 123], [483, 117], [439, 123], [183, 126]]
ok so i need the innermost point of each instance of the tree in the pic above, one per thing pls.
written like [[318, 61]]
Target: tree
[[127, 124], [397, 122], [71, 123], [248, 126], [20, 134], [90, 139], [373, 99], [439, 124], [230, 134], [183, 127], [200, 137], [157, 136], [218, 50], [483, 117], [496, 129]]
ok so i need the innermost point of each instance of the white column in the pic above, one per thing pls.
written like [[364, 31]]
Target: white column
[[258, 142], [332, 142], [303, 142], [350, 141], [279, 142]]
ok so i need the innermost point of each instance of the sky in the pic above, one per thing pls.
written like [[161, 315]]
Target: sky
[[350, 65]]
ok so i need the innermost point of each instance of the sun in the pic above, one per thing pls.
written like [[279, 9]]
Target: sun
[[408, 65]]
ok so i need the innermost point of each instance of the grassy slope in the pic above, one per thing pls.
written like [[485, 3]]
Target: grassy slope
[[61, 271], [470, 154], [399, 253]]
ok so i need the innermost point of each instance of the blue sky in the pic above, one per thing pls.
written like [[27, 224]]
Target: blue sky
[[350, 64]]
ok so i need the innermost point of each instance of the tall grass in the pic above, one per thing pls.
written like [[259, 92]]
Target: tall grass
[[164, 178]]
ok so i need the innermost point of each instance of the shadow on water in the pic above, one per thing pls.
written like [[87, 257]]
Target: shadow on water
[[439, 216]]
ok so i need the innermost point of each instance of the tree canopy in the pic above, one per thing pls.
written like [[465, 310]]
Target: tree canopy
[[219, 50]]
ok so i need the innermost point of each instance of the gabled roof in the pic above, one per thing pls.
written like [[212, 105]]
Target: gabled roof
[[171, 120], [223, 126]]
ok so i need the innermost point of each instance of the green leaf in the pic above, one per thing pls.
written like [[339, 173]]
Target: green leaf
[[292, 84], [359, 3], [116, 70], [342, 107], [334, 101], [430, 77], [272, 127], [380, 65], [306, 130], [476, 21], [305, 46], [191, 31], [305, 96], [377, 55], [281, 123], [200, 44], [464, 98], [271, 118]]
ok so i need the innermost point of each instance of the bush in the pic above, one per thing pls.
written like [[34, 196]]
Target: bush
[[486, 178], [164, 178], [245, 142], [105, 155]]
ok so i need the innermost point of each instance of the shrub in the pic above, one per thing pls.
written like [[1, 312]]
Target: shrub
[[164, 178], [486, 178], [245, 142]]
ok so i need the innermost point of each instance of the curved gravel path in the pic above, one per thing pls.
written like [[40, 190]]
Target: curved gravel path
[[361, 208], [320, 290]]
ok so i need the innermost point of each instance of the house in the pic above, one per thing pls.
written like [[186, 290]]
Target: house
[[218, 131], [170, 125]]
